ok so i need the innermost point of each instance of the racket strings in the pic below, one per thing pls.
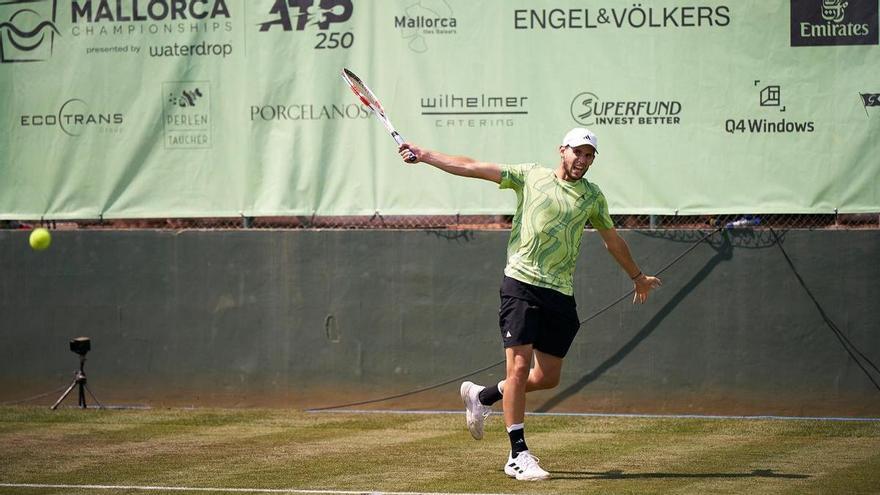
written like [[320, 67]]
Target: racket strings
[[362, 91], [364, 94]]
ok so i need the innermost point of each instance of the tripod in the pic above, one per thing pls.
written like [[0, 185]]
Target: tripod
[[79, 379]]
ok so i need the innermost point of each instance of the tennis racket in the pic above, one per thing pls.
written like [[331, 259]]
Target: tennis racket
[[369, 99]]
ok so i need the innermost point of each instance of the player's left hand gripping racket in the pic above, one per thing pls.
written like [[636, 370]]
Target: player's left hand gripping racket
[[369, 99]]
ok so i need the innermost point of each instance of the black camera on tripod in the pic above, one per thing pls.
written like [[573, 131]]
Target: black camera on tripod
[[81, 345]]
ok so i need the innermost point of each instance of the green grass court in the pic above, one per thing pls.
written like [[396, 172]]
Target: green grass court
[[267, 451]]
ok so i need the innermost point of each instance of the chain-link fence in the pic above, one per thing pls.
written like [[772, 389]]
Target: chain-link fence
[[462, 222]]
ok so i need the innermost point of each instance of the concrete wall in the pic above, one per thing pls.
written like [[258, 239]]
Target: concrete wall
[[313, 318]]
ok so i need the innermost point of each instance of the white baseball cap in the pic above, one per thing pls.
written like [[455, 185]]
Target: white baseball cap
[[579, 137]]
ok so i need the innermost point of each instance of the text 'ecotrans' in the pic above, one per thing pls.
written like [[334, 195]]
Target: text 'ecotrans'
[[74, 117]]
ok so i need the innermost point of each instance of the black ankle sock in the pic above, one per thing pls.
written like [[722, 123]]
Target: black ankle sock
[[490, 395], [517, 441]]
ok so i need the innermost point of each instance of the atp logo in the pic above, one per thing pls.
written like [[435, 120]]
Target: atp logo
[[833, 10], [328, 12], [27, 30]]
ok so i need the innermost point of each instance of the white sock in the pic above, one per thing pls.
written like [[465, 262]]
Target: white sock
[[501, 387], [518, 426]]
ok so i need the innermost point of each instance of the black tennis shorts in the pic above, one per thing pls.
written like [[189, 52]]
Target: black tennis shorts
[[543, 317]]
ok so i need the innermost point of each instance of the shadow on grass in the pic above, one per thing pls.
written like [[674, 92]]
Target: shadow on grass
[[616, 474]]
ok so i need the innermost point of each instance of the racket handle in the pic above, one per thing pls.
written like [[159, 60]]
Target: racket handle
[[399, 139]]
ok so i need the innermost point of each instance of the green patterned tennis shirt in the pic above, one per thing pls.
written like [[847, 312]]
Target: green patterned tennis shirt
[[548, 225]]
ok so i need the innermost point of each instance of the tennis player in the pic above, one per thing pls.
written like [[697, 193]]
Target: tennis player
[[538, 315]]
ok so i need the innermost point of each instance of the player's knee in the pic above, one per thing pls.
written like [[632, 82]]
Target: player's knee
[[544, 382], [518, 371], [551, 381]]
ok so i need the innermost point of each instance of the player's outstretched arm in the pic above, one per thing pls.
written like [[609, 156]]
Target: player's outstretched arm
[[620, 251], [456, 165]]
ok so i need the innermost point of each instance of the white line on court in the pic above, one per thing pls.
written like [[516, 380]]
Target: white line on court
[[226, 490], [607, 415]]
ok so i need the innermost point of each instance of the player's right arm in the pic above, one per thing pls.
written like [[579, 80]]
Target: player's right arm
[[456, 165]]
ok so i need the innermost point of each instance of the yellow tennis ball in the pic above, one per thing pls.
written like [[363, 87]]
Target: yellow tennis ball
[[40, 239]]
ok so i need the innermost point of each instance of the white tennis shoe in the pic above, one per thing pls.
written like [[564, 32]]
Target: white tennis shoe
[[525, 467], [475, 412]]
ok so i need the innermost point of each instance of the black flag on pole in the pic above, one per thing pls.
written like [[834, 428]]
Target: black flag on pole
[[870, 100]]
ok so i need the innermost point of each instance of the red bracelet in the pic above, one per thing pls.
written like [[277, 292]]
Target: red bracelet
[[637, 276]]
